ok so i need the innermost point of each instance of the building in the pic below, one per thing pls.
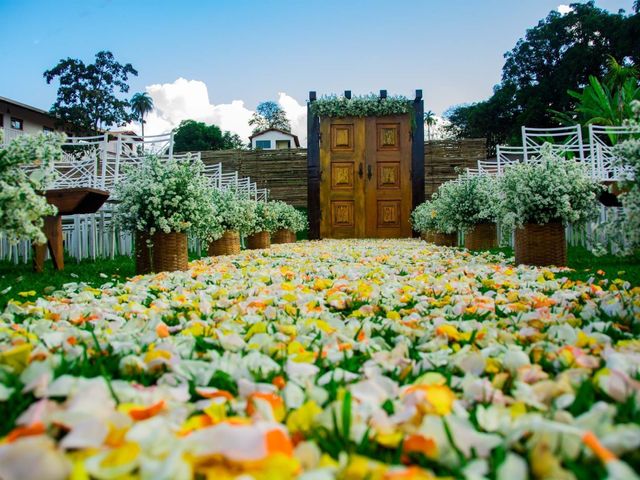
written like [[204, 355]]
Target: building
[[274, 139], [19, 119]]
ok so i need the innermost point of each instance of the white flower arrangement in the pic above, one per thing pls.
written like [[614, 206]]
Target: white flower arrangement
[[426, 217], [22, 205], [468, 201], [260, 217], [230, 213], [287, 217], [623, 232], [168, 195], [551, 189]]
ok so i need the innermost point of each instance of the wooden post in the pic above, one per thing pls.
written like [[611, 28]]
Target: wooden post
[[347, 94], [313, 170], [383, 94], [417, 151]]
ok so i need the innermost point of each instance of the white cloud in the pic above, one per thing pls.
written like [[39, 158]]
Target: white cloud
[[564, 9], [189, 99]]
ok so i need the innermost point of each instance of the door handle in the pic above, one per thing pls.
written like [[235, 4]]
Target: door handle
[[360, 170], [369, 173]]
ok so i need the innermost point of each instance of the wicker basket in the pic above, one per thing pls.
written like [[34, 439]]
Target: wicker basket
[[169, 252], [259, 240], [228, 244], [440, 239], [482, 236], [541, 245], [142, 253], [283, 236]]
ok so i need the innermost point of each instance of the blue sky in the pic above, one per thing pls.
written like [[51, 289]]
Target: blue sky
[[252, 50]]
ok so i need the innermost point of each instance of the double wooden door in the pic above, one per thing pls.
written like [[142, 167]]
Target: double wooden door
[[365, 177]]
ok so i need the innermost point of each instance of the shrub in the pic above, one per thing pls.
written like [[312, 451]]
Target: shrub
[[260, 217], [552, 189], [168, 196], [22, 206], [230, 212]]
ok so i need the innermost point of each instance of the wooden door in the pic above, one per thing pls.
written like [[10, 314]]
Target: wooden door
[[342, 163], [365, 177], [388, 177]]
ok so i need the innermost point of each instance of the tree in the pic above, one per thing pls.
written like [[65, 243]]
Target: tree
[[269, 115], [141, 104], [86, 100], [192, 136], [558, 54], [429, 121]]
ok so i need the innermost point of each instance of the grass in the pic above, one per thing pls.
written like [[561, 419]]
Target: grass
[[17, 279], [587, 265]]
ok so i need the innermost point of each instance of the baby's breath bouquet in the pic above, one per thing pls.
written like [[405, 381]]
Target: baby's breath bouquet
[[230, 213], [25, 169], [426, 217], [168, 195], [260, 217], [552, 189], [287, 217], [468, 201]]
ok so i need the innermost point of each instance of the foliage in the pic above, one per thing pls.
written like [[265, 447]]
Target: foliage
[[429, 120], [22, 206], [606, 102], [552, 189], [558, 54], [192, 136], [361, 106], [167, 195], [141, 104], [87, 100], [287, 217], [230, 212], [269, 115], [260, 217], [467, 201], [427, 217]]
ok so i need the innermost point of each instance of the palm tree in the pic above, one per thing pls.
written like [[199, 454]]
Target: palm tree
[[141, 104], [429, 121]]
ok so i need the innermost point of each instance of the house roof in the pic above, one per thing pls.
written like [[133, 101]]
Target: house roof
[[295, 137], [24, 105]]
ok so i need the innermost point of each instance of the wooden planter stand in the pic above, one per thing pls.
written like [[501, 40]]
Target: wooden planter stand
[[283, 236], [483, 236], [259, 240], [69, 201], [541, 245], [228, 244], [440, 239]]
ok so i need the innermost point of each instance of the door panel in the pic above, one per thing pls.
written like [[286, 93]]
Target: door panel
[[341, 178], [388, 184], [365, 177]]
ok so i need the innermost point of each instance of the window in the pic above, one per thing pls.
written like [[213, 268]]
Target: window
[[264, 144], [46, 129], [16, 123], [283, 144]]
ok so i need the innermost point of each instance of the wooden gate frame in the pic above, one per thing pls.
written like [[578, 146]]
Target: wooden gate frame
[[313, 159]]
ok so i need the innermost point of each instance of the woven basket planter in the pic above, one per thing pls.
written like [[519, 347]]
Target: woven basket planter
[[283, 236], [541, 245], [228, 244], [482, 236], [143, 253], [440, 239], [169, 252], [259, 240]]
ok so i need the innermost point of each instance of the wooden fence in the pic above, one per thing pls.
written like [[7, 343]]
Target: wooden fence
[[284, 172]]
